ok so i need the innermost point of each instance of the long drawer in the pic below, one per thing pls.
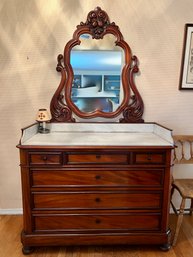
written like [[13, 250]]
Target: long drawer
[[82, 177], [136, 221], [97, 200]]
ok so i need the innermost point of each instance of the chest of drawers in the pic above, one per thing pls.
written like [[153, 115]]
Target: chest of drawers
[[95, 195]]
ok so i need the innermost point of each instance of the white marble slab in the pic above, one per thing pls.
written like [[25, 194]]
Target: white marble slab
[[29, 132], [101, 127], [96, 134]]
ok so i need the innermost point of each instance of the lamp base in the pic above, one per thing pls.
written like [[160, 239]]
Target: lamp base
[[43, 130]]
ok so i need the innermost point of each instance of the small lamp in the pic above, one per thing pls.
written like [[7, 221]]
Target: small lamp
[[43, 116]]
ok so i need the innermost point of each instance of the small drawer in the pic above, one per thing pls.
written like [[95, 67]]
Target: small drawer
[[92, 200], [97, 158], [99, 178], [45, 158], [149, 158], [107, 221]]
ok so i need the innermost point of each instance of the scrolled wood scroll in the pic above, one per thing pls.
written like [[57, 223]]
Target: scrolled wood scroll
[[59, 110], [62, 107], [98, 22], [134, 111]]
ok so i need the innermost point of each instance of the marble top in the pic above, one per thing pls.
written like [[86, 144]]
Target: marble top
[[99, 135]]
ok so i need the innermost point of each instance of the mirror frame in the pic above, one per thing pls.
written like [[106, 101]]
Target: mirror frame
[[62, 107]]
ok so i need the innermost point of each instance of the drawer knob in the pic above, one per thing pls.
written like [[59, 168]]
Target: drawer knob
[[98, 221], [149, 157], [98, 177], [98, 156], [44, 158], [98, 200]]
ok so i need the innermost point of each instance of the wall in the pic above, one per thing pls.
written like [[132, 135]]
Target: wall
[[34, 32]]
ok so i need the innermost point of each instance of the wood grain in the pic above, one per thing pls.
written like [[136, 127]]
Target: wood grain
[[56, 203], [10, 227]]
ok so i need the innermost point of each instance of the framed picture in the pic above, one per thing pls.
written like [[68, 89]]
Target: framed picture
[[186, 74]]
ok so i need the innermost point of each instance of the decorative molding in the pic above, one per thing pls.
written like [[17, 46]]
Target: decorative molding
[[97, 22], [134, 111], [59, 66], [59, 110]]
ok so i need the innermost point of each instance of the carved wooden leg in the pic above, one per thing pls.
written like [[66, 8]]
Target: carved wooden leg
[[179, 221], [191, 206], [27, 250]]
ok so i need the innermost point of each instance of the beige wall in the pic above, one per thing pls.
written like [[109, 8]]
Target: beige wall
[[34, 32]]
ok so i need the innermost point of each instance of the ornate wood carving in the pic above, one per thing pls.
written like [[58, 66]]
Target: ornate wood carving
[[97, 21], [62, 107], [59, 110], [134, 111]]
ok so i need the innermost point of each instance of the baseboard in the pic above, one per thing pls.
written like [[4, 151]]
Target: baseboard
[[11, 211], [20, 211]]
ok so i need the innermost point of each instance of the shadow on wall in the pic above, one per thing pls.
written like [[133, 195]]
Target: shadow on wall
[[29, 23], [14, 20]]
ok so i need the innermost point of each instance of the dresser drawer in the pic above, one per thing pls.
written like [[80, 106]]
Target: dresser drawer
[[74, 158], [92, 200], [117, 221], [148, 158], [83, 177], [45, 158]]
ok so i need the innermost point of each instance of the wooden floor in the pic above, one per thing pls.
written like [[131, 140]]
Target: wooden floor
[[10, 246]]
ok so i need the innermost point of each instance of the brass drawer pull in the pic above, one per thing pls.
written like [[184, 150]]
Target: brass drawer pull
[[98, 200], [149, 157]]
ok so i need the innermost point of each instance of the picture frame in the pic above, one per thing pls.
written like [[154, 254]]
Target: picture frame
[[186, 73]]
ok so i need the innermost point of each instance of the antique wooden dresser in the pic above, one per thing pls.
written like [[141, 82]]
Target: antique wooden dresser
[[96, 182]]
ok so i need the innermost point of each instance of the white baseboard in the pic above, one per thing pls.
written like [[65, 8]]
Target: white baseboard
[[20, 211], [11, 211]]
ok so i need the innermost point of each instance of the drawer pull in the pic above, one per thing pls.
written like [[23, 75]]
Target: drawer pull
[[98, 177], [44, 158], [97, 221], [149, 157], [98, 156], [98, 200]]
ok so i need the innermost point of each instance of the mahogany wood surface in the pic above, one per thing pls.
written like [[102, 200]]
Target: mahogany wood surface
[[10, 245], [100, 178], [95, 197]]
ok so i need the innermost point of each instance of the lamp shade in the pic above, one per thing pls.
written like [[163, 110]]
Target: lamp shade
[[43, 115]]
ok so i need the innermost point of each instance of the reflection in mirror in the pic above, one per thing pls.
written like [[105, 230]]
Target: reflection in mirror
[[97, 67]]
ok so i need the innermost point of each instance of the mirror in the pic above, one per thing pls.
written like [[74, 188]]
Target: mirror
[[97, 67], [97, 74]]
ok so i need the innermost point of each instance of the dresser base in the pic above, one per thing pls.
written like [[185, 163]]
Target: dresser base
[[30, 241]]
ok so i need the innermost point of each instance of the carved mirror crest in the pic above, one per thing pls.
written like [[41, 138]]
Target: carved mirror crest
[[97, 74]]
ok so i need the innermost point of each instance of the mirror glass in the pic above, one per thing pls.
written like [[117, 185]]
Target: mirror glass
[[97, 67]]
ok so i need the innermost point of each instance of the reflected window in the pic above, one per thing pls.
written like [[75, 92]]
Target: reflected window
[[97, 79]]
